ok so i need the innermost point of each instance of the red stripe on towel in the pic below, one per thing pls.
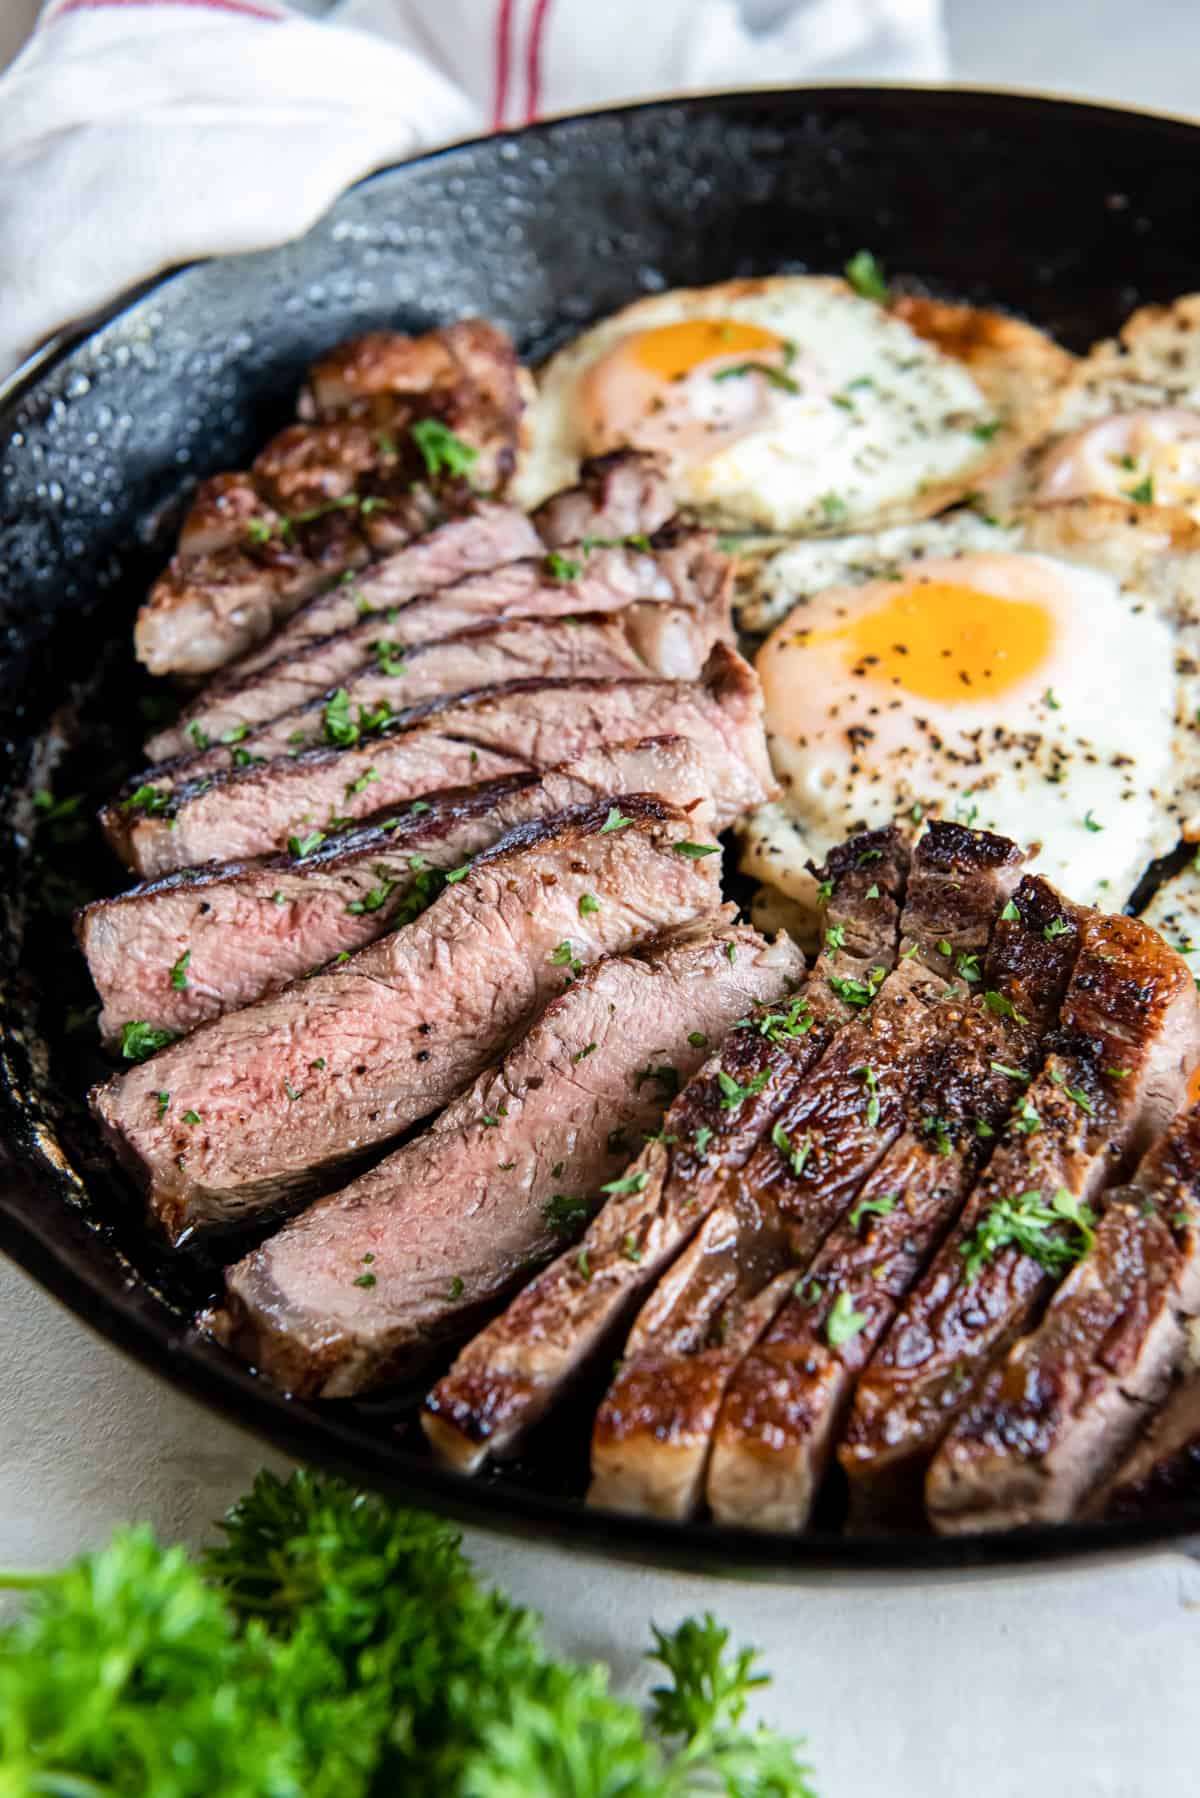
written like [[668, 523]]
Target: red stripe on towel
[[242, 8], [502, 57], [533, 61]]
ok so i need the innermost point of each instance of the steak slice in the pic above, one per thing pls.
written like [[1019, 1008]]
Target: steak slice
[[653, 1434], [450, 1222], [192, 945], [267, 1103], [323, 497], [506, 1379], [787, 1401], [1057, 1414], [488, 535], [509, 729], [394, 680], [622, 495], [1163, 1469], [687, 572], [1116, 1073]]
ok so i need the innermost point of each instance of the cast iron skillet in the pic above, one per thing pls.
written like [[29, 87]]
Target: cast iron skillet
[[1068, 214]]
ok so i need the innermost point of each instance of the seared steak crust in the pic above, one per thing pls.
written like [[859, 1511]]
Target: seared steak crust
[[302, 662], [1116, 1073], [1164, 1467], [450, 1222], [788, 1399], [246, 928], [329, 495], [502, 730], [521, 1364], [1056, 1415], [264, 1104], [651, 1442]]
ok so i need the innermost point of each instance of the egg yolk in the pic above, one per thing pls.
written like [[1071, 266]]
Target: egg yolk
[[940, 641], [672, 351]]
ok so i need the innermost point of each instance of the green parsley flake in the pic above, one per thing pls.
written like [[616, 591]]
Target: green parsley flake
[[696, 850], [880, 1207], [843, 1321], [865, 275], [179, 979], [140, 1039], [442, 450]]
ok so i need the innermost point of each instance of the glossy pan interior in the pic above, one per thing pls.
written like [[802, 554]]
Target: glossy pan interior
[[1069, 214]]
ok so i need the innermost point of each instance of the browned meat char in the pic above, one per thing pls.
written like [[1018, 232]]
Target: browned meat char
[[333, 493], [1163, 1469], [687, 573], [788, 1399], [205, 941], [626, 494], [506, 1379], [265, 1104], [1056, 1415], [1116, 1073], [482, 539], [503, 730], [653, 1434], [396, 679], [450, 1222]]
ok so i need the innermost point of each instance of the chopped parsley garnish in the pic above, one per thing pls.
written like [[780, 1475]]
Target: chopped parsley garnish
[[456, 1289], [588, 903], [583, 1264], [702, 1139], [983, 1130], [389, 658], [857, 992], [1143, 493], [630, 1250], [292, 1092], [1081, 1099], [795, 1157], [162, 1100], [179, 979], [140, 1039], [454, 875], [417, 807], [301, 846], [1026, 1118], [191, 1117], [149, 799], [582, 1054], [318, 1064], [561, 568], [865, 275], [199, 736], [938, 1129], [1002, 1007], [1057, 927], [365, 780], [442, 450], [1050, 702], [733, 1094], [967, 966], [1090, 822], [833, 507], [564, 957], [843, 1321], [1000, 1067], [986, 431], [835, 936], [775, 376], [872, 892], [880, 1207], [630, 1183], [564, 1213], [775, 1025], [1033, 1227], [870, 1080], [696, 850], [697, 1039], [731, 952]]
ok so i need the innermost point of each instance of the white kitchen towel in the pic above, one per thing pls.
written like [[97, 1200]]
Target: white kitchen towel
[[139, 134]]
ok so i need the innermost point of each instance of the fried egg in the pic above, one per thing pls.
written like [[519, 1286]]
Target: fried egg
[[791, 404], [1045, 692]]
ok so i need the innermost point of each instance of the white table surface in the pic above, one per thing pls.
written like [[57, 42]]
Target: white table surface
[[1066, 1685]]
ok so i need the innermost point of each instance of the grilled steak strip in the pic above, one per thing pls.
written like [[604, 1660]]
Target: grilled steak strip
[[687, 572], [192, 945], [625, 494], [475, 736], [788, 1399], [322, 498], [1116, 1073], [1163, 1469], [1056, 1415], [450, 1222], [653, 1433], [396, 679], [505, 1380], [482, 539], [265, 1104]]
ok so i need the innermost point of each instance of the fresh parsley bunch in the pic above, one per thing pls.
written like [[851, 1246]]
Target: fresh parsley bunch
[[338, 1646]]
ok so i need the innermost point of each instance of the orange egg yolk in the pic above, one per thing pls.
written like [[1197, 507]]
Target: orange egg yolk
[[1193, 1087], [672, 351], [945, 642]]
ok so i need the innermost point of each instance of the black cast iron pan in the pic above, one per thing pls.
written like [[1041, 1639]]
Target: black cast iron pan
[[1066, 213]]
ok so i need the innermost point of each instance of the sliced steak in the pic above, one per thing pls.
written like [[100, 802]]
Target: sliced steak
[[207, 940], [506, 1379], [482, 539], [503, 730], [394, 680], [1163, 1469], [332, 493], [450, 1222], [1058, 1413], [687, 573], [788, 1399], [265, 1104], [626, 494], [653, 1433], [1116, 1074]]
